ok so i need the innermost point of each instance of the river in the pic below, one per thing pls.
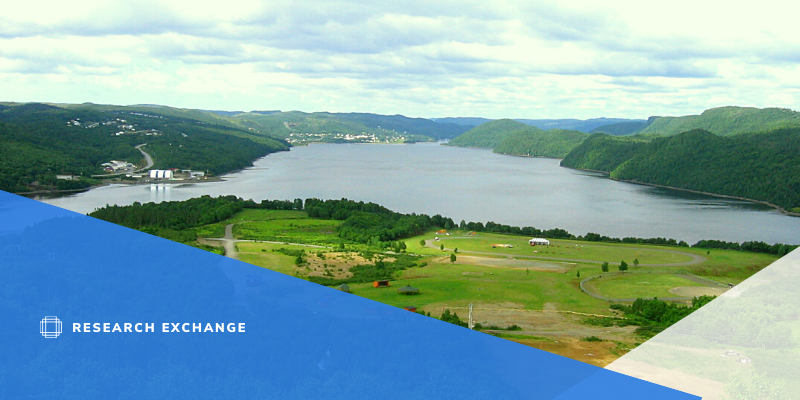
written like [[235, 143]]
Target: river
[[474, 185]]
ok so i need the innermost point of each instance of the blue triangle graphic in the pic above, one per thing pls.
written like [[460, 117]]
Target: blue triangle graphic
[[300, 340]]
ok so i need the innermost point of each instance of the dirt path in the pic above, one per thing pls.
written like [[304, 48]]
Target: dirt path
[[695, 259], [229, 242]]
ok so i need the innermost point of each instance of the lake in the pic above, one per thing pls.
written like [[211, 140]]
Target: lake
[[474, 185]]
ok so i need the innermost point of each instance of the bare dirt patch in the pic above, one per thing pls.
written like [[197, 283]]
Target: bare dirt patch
[[510, 263], [595, 353], [335, 264], [694, 291]]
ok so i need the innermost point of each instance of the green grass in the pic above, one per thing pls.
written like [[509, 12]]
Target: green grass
[[639, 285], [568, 249], [312, 231], [262, 254], [266, 215], [446, 284]]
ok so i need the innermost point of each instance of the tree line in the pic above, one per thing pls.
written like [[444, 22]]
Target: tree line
[[367, 223]]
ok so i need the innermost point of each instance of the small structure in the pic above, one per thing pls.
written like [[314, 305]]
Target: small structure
[[115, 165], [380, 284], [410, 308], [344, 287], [408, 290], [442, 232], [539, 241], [502, 245], [161, 174], [66, 177]]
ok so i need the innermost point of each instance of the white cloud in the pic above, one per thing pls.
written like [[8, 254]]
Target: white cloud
[[509, 59]]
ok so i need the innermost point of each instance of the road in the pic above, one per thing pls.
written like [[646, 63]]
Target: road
[[147, 158], [696, 259]]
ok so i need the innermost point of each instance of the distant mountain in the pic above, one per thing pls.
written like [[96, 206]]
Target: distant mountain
[[468, 121], [575, 124], [569, 124], [487, 135], [621, 128], [224, 113], [535, 142], [285, 124], [724, 121]]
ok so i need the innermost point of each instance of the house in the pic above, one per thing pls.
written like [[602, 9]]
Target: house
[[66, 177], [378, 284]]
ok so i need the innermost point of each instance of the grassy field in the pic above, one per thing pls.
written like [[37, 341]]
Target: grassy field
[[640, 285], [295, 230], [535, 287], [613, 253]]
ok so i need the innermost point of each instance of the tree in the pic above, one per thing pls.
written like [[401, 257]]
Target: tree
[[422, 242], [623, 266], [455, 250], [578, 274], [604, 267], [452, 258], [441, 246], [635, 262]]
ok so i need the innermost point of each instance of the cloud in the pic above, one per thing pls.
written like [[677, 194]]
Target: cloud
[[498, 58]]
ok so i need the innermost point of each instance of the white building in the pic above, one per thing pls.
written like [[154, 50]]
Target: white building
[[538, 241], [161, 174]]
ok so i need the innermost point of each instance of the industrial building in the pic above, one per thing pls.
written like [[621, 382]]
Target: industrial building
[[161, 174]]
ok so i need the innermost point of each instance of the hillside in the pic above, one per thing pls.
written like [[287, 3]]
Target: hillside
[[587, 125], [40, 141], [534, 142], [725, 121], [301, 127], [763, 166], [488, 135], [621, 128], [602, 152]]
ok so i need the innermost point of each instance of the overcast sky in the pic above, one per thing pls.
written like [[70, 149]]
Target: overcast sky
[[417, 58]]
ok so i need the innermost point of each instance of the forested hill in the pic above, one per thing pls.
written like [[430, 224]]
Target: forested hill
[[762, 166], [602, 152], [40, 141], [489, 134], [299, 126], [724, 121], [534, 142]]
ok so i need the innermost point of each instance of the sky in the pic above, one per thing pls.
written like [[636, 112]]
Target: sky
[[506, 59]]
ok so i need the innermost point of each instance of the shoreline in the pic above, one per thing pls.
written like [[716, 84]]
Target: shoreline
[[86, 189], [778, 208]]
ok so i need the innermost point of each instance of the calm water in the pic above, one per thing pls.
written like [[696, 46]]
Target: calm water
[[474, 185]]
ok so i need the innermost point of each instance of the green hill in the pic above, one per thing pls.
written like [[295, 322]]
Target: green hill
[[40, 141], [724, 121], [301, 127], [622, 128], [762, 166], [534, 142], [489, 134], [602, 152]]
